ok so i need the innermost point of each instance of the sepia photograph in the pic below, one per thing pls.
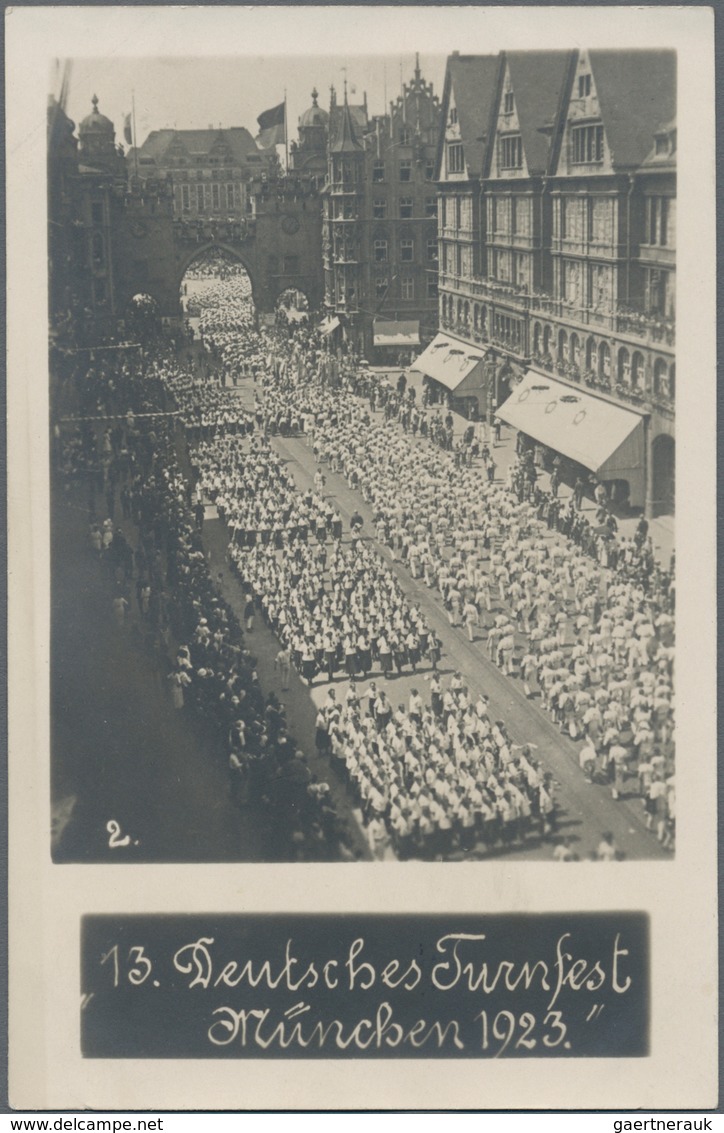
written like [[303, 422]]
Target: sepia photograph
[[355, 586], [363, 457]]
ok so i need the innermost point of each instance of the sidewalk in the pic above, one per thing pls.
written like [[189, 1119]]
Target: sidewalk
[[661, 529]]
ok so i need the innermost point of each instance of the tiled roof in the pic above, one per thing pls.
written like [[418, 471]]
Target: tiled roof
[[474, 80], [637, 94], [539, 82], [237, 138], [345, 138], [359, 118]]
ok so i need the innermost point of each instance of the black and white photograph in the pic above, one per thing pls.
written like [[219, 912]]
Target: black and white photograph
[[351, 568], [363, 457]]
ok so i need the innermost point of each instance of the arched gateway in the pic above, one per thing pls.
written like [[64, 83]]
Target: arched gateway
[[279, 247]]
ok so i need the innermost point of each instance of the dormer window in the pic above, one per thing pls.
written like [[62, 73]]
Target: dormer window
[[452, 120], [508, 102], [511, 152], [455, 159], [586, 145], [663, 145], [584, 86]]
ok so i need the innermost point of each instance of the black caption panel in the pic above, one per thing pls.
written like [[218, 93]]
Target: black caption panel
[[348, 986]]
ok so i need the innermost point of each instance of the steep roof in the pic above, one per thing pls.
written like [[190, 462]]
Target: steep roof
[[539, 83], [473, 80], [345, 136], [666, 160], [358, 114], [644, 80], [237, 138]]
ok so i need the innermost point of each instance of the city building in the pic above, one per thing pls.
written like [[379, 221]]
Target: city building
[[308, 155], [87, 190], [210, 169], [557, 176], [380, 223]]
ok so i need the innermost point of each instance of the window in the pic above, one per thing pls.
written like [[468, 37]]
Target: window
[[185, 198], [508, 102], [657, 220], [662, 144], [600, 220], [511, 152], [407, 250], [405, 169], [660, 293], [521, 216], [455, 158], [432, 287], [408, 287], [586, 145], [430, 169], [452, 116], [405, 136], [431, 207], [406, 207], [381, 286], [200, 198], [230, 197], [99, 256], [216, 197], [584, 86], [380, 251], [97, 213], [562, 218], [379, 208], [378, 171], [432, 249]]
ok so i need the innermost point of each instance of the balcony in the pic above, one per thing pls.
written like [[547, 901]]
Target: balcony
[[340, 188], [645, 399], [650, 330]]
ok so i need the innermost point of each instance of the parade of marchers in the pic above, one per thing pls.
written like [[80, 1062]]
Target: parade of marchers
[[430, 774], [580, 618]]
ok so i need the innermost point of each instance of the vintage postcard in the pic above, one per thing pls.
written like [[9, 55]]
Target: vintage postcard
[[362, 650]]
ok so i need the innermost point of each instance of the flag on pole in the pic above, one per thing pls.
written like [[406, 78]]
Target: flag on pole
[[272, 127], [127, 130]]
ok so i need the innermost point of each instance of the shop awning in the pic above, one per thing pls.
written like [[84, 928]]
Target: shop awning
[[391, 332], [328, 326], [606, 438], [453, 362]]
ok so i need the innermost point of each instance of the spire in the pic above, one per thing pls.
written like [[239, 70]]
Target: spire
[[94, 100], [315, 96], [346, 140], [417, 66]]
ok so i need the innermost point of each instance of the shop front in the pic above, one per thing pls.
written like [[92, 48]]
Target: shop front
[[457, 375], [606, 439], [395, 341]]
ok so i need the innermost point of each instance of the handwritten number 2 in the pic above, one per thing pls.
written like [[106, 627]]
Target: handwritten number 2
[[116, 838]]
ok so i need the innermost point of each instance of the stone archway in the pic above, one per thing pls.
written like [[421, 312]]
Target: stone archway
[[663, 460], [229, 251]]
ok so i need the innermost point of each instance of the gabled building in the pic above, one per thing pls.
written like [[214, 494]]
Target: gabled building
[[210, 169], [380, 223], [557, 176]]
